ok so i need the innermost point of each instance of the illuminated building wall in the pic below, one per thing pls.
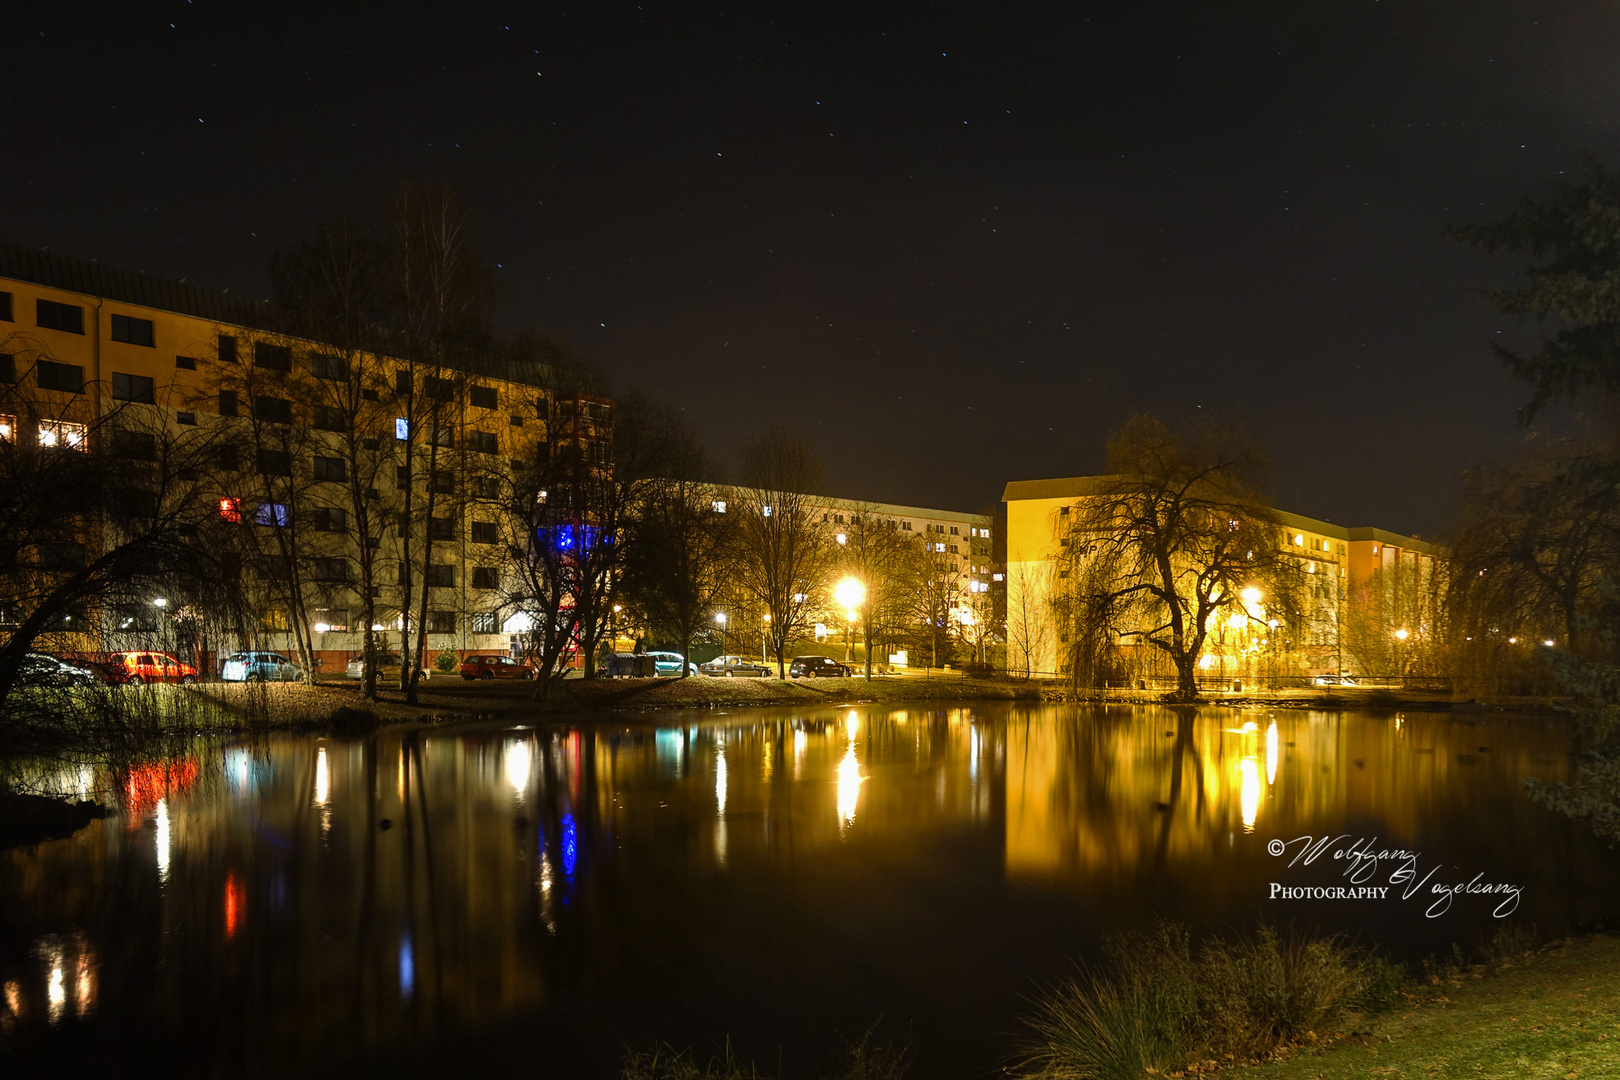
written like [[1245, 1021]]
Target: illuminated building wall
[[114, 340], [1361, 583]]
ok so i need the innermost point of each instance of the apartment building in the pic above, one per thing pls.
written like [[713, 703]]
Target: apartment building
[[1370, 595], [299, 421]]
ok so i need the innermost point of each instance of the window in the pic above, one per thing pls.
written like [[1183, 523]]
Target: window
[[998, 577], [331, 368], [68, 378], [483, 442], [444, 436], [485, 622], [226, 458], [62, 433], [517, 421], [437, 388], [1063, 511], [486, 487], [486, 577], [132, 331], [272, 410], [186, 363], [273, 357], [954, 532], [441, 622], [329, 519], [333, 570], [8, 368], [765, 511], [227, 403], [227, 349], [8, 427], [719, 506], [61, 555], [483, 532], [368, 395], [954, 550], [442, 528], [842, 538], [402, 428], [5, 307], [484, 397], [542, 408], [65, 317], [275, 462], [905, 526], [330, 469], [324, 620], [274, 620], [230, 510], [272, 514], [136, 388], [444, 482], [442, 575], [329, 419], [402, 477], [141, 445], [939, 548]]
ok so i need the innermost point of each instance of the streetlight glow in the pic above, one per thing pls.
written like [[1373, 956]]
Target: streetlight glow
[[850, 594], [1401, 634]]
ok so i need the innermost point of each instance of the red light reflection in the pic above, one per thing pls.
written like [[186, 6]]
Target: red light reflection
[[233, 904], [146, 784]]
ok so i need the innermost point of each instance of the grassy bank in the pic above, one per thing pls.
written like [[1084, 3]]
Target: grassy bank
[[1550, 1013]]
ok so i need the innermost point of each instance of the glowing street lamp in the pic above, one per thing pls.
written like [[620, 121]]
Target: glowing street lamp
[[720, 617], [850, 594]]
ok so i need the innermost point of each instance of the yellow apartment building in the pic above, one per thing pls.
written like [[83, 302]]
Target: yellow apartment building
[[79, 340], [1371, 606]]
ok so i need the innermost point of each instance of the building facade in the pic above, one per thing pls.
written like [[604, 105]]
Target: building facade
[[311, 439], [1370, 597]]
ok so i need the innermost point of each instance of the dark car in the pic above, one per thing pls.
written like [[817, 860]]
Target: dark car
[[811, 667], [734, 667], [37, 669]]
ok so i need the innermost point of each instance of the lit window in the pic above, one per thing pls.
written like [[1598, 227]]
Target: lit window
[[231, 510], [272, 514], [997, 577], [61, 433], [940, 548], [1299, 539], [8, 425], [719, 506], [765, 511], [402, 428], [842, 539]]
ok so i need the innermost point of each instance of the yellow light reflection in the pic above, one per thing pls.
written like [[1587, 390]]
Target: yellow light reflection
[[84, 984], [14, 1001], [57, 992], [799, 740], [1271, 753], [767, 758], [720, 778], [518, 762], [849, 788], [163, 840], [322, 779], [1249, 774], [852, 724]]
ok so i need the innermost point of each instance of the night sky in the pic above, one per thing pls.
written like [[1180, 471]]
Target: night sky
[[954, 246]]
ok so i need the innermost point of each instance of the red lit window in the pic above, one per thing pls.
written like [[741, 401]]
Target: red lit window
[[231, 510]]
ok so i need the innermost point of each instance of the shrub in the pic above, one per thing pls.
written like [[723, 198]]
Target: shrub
[[1161, 1003], [446, 661]]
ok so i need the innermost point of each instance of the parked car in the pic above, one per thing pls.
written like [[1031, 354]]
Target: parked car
[[670, 663], [150, 667], [1334, 680], [260, 667], [37, 669], [734, 667], [387, 667], [495, 667], [811, 667]]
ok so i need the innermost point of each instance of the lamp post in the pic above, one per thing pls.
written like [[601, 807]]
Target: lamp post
[[1400, 660], [720, 617], [764, 657]]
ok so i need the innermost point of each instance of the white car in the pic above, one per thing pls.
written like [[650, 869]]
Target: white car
[[1333, 680]]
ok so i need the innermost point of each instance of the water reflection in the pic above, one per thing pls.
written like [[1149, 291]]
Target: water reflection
[[319, 897]]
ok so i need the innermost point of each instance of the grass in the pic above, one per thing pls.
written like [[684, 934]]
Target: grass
[[865, 1059], [1161, 1004], [1549, 1013]]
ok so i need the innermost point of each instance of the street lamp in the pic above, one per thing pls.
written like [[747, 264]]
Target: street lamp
[[720, 617], [764, 657], [850, 594]]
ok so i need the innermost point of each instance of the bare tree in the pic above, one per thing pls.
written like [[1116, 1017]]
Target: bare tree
[[936, 589], [682, 545], [102, 509], [875, 553], [1171, 538], [787, 556], [1029, 617]]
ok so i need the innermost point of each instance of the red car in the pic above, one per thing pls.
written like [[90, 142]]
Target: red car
[[495, 667], [149, 667]]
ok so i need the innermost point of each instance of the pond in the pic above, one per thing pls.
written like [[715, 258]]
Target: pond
[[422, 902]]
